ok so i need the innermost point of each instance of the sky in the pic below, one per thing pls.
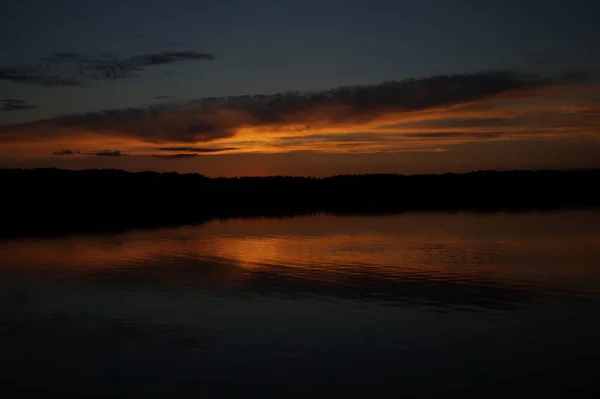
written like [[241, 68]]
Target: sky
[[313, 87]]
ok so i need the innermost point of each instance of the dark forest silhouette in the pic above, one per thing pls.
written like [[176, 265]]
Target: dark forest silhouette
[[55, 201]]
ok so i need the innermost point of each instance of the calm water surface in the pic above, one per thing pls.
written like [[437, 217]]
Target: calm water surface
[[406, 305]]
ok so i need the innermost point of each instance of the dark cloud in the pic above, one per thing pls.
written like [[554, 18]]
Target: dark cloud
[[31, 75], [174, 156], [168, 57], [152, 124], [66, 152], [162, 97], [199, 150], [103, 153], [13, 104], [216, 118], [72, 69], [106, 153]]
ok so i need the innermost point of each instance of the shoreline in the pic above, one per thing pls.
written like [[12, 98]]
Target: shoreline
[[56, 202]]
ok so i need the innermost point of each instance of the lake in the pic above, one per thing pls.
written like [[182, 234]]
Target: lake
[[410, 305]]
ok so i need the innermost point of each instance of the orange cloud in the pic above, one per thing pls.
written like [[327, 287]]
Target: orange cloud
[[430, 114]]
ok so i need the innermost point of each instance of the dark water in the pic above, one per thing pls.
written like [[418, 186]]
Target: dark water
[[406, 305]]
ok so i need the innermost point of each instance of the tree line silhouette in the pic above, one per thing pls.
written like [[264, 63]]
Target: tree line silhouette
[[55, 201]]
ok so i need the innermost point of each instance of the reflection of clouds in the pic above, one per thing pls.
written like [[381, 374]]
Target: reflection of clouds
[[441, 267], [435, 260]]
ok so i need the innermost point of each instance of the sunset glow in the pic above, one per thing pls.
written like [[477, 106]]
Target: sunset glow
[[182, 108], [555, 113]]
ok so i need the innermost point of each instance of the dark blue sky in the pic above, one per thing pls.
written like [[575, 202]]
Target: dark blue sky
[[268, 46]]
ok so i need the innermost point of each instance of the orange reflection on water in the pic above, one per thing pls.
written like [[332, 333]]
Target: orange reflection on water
[[557, 249]]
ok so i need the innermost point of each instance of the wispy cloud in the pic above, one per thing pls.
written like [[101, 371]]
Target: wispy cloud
[[408, 115], [73, 69], [199, 150], [106, 153], [174, 156], [461, 135], [66, 152], [102, 153], [13, 104]]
